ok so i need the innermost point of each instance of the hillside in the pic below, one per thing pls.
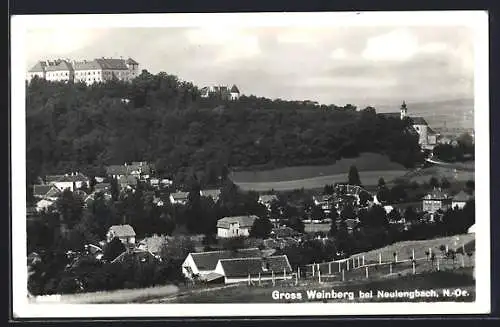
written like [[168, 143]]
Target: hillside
[[164, 120]]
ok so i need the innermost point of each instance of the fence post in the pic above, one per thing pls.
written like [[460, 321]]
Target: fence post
[[297, 279], [313, 266], [340, 266], [343, 276], [272, 277], [413, 264], [396, 257], [359, 261], [363, 260], [463, 260], [319, 276], [390, 269], [366, 272], [259, 280], [329, 268], [446, 248], [353, 263], [284, 273], [380, 258], [438, 263], [430, 253], [298, 272], [348, 264], [249, 280], [413, 254]]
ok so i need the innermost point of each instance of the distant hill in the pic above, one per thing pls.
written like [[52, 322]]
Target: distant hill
[[458, 113]]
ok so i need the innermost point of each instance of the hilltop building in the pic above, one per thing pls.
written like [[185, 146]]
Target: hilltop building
[[427, 138], [88, 72], [225, 92]]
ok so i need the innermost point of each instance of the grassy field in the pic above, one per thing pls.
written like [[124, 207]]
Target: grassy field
[[367, 178], [365, 162], [452, 175], [460, 278]]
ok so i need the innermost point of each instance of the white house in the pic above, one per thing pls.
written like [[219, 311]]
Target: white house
[[71, 181], [235, 226], [202, 264], [240, 270], [44, 204], [49, 192], [460, 199], [125, 233], [179, 198], [214, 194], [234, 93]]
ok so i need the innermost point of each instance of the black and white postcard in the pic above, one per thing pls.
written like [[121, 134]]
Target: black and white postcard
[[257, 164]]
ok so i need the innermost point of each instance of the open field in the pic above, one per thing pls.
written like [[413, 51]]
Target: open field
[[365, 162], [313, 228], [367, 178], [452, 174], [460, 278]]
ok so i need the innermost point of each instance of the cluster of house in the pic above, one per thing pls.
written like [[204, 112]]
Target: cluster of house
[[225, 92], [87, 71]]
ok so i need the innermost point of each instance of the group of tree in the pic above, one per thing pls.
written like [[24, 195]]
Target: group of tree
[[77, 127], [461, 151]]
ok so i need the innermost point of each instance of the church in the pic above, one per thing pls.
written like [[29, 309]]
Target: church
[[427, 138]]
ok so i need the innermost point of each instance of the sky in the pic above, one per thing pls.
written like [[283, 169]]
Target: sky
[[360, 65]]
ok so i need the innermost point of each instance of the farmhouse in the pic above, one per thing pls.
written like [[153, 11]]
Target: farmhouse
[[460, 199], [44, 204], [436, 200], [125, 233], [235, 226], [202, 264], [241, 269], [48, 192]]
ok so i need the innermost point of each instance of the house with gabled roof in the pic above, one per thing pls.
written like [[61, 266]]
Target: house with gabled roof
[[436, 200], [71, 181], [214, 194], [49, 192], [235, 226], [460, 199], [225, 92], [240, 270], [125, 233], [201, 264], [179, 197]]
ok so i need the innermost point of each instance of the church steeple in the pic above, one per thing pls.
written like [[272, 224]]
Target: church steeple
[[403, 110]]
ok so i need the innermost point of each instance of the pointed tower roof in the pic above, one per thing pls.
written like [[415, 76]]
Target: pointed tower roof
[[403, 106], [234, 89]]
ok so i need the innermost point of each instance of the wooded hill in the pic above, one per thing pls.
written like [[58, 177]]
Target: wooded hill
[[161, 119]]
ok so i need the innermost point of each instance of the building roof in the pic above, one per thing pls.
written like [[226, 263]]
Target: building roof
[[267, 198], [131, 61], [122, 230], [45, 191], [322, 198], [116, 170], [436, 194], [129, 180], [86, 65], [100, 187], [244, 221], [462, 196], [209, 260], [73, 178], [58, 65], [154, 243], [418, 121], [242, 267], [211, 193], [179, 195], [39, 67], [112, 64], [234, 89], [52, 178]]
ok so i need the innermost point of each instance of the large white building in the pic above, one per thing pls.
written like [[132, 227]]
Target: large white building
[[89, 72]]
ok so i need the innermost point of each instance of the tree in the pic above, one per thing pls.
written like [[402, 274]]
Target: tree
[[317, 213], [469, 186], [433, 182], [353, 176], [347, 213], [70, 208], [394, 215], [445, 183], [328, 189], [113, 249], [115, 192], [410, 214], [261, 228], [296, 224], [381, 183], [364, 197]]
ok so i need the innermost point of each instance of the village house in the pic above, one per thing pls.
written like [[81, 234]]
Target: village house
[[436, 200], [460, 199], [46, 196], [254, 269], [153, 244], [324, 202], [267, 200], [125, 233], [213, 194], [225, 92], [71, 181], [201, 264], [235, 226], [427, 138], [179, 198]]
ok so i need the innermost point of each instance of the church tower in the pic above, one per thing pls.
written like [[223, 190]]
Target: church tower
[[403, 110]]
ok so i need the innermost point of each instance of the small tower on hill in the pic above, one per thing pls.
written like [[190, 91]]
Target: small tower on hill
[[403, 110]]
